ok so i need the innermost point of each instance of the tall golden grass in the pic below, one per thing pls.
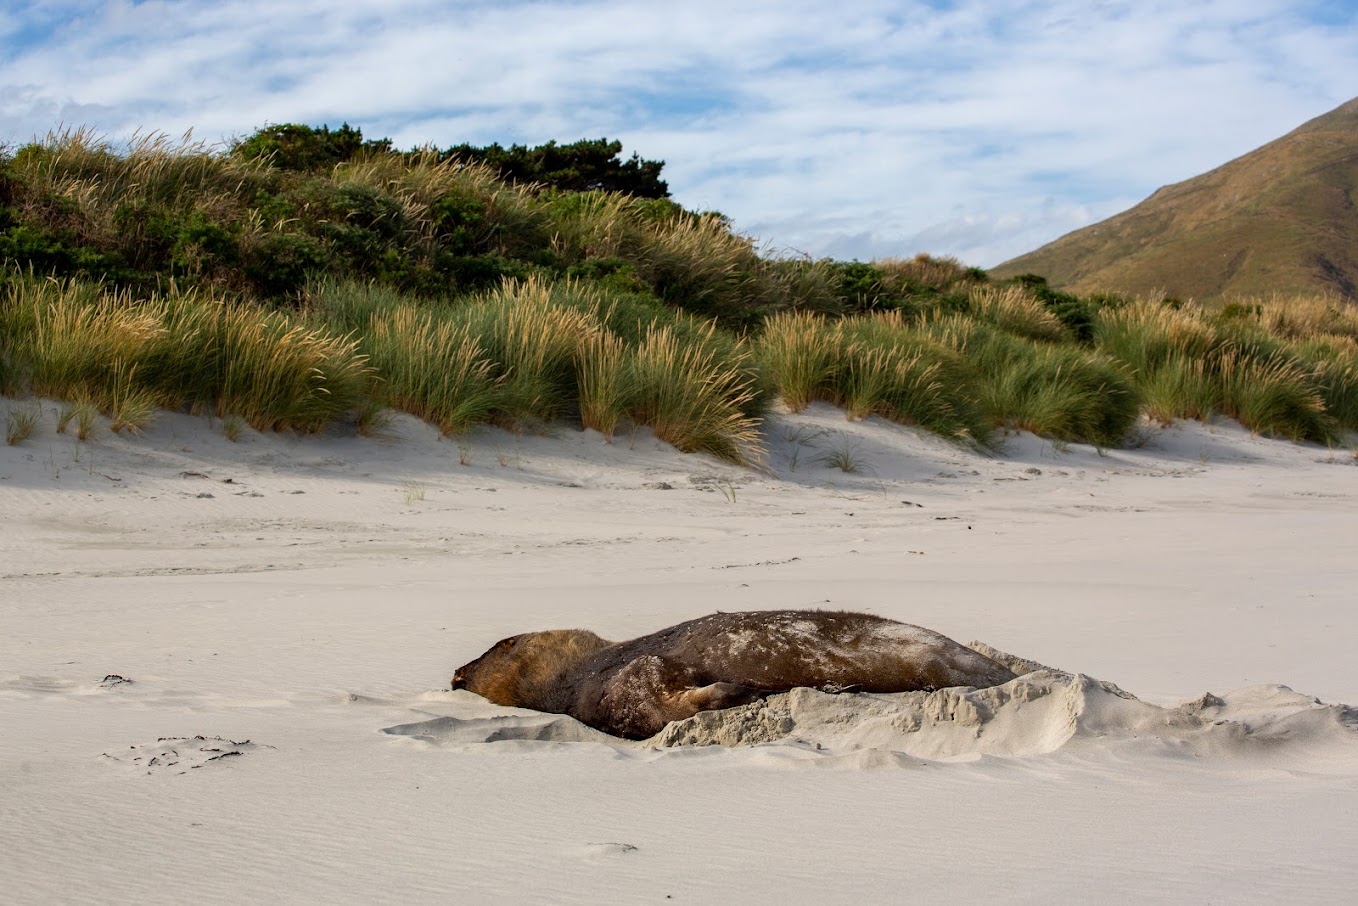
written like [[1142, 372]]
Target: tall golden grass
[[72, 340]]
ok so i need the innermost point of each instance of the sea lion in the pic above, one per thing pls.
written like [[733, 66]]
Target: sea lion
[[632, 689]]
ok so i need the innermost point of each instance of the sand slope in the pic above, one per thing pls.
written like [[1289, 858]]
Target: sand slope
[[223, 668]]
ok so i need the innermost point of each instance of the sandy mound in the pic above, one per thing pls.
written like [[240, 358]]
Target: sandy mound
[[1041, 711], [1035, 714]]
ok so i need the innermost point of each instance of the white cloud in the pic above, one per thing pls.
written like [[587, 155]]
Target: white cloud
[[976, 128]]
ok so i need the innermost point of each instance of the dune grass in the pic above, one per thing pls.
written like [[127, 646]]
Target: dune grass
[[432, 368], [799, 352], [534, 342], [464, 299], [80, 411], [1274, 397], [1058, 390], [1181, 387], [692, 399], [128, 357], [1015, 310], [1065, 393], [607, 390], [532, 352], [1302, 317], [21, 422], [1333, 364], [876, 364], [1278, 372]]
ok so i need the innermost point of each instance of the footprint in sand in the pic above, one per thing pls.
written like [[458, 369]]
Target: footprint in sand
[[181, 754]]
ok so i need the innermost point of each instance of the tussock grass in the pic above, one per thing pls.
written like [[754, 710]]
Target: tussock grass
[[433, 368], [799, 352], [152, 168], [70, 339], [21, 422], [131, 407], [698, 263], [1188, 366], [799, 284], [1145, 335], [1181, 387], [847, 456], [1303, 317], [893, 369], [508, 216], [878, 364], [1274, 397], [129, 356], [606, 388], [1014, 309], [1333, 361], [119, 197], [534, 340], [1061, 391], [82, 411], [532, 351], [1065, 393], [592, 225], [284, 376], [692, 399], [935, 273], [1173, 355]]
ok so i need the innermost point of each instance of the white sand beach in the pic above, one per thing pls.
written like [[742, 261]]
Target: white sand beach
[[224, 668]]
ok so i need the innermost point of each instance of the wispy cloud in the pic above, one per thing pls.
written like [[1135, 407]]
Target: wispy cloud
[[975, 128]]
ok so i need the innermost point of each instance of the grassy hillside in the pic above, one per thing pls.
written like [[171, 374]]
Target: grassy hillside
[[321, 285], [1283, 218]]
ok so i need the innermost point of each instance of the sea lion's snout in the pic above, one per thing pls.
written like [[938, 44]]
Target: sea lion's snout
[[459, 680]]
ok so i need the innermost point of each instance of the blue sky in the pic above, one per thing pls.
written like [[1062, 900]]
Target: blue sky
[[878, 128]]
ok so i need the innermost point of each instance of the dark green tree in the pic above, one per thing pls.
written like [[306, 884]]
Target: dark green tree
[[581, 166], [292, 146]]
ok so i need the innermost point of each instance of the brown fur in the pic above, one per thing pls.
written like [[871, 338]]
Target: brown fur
[[634, 688]]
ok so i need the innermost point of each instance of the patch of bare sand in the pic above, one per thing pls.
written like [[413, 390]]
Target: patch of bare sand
[[180, 597]]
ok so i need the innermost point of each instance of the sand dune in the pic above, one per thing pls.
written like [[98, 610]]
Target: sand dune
[[224, 668]]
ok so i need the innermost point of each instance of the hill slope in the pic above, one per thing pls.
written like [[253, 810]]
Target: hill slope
[[1282, 218]]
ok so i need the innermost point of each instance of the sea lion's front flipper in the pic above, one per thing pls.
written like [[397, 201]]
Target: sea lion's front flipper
[[715, 697], [649, 692]]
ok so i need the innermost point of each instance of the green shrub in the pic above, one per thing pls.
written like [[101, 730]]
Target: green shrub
[[292, 146], [1078, 315], [279, 264]]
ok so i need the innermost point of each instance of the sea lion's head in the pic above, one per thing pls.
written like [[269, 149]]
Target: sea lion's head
[[522, 670]]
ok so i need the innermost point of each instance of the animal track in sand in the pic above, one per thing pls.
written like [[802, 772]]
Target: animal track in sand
[[181, 754], [29, 686]]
